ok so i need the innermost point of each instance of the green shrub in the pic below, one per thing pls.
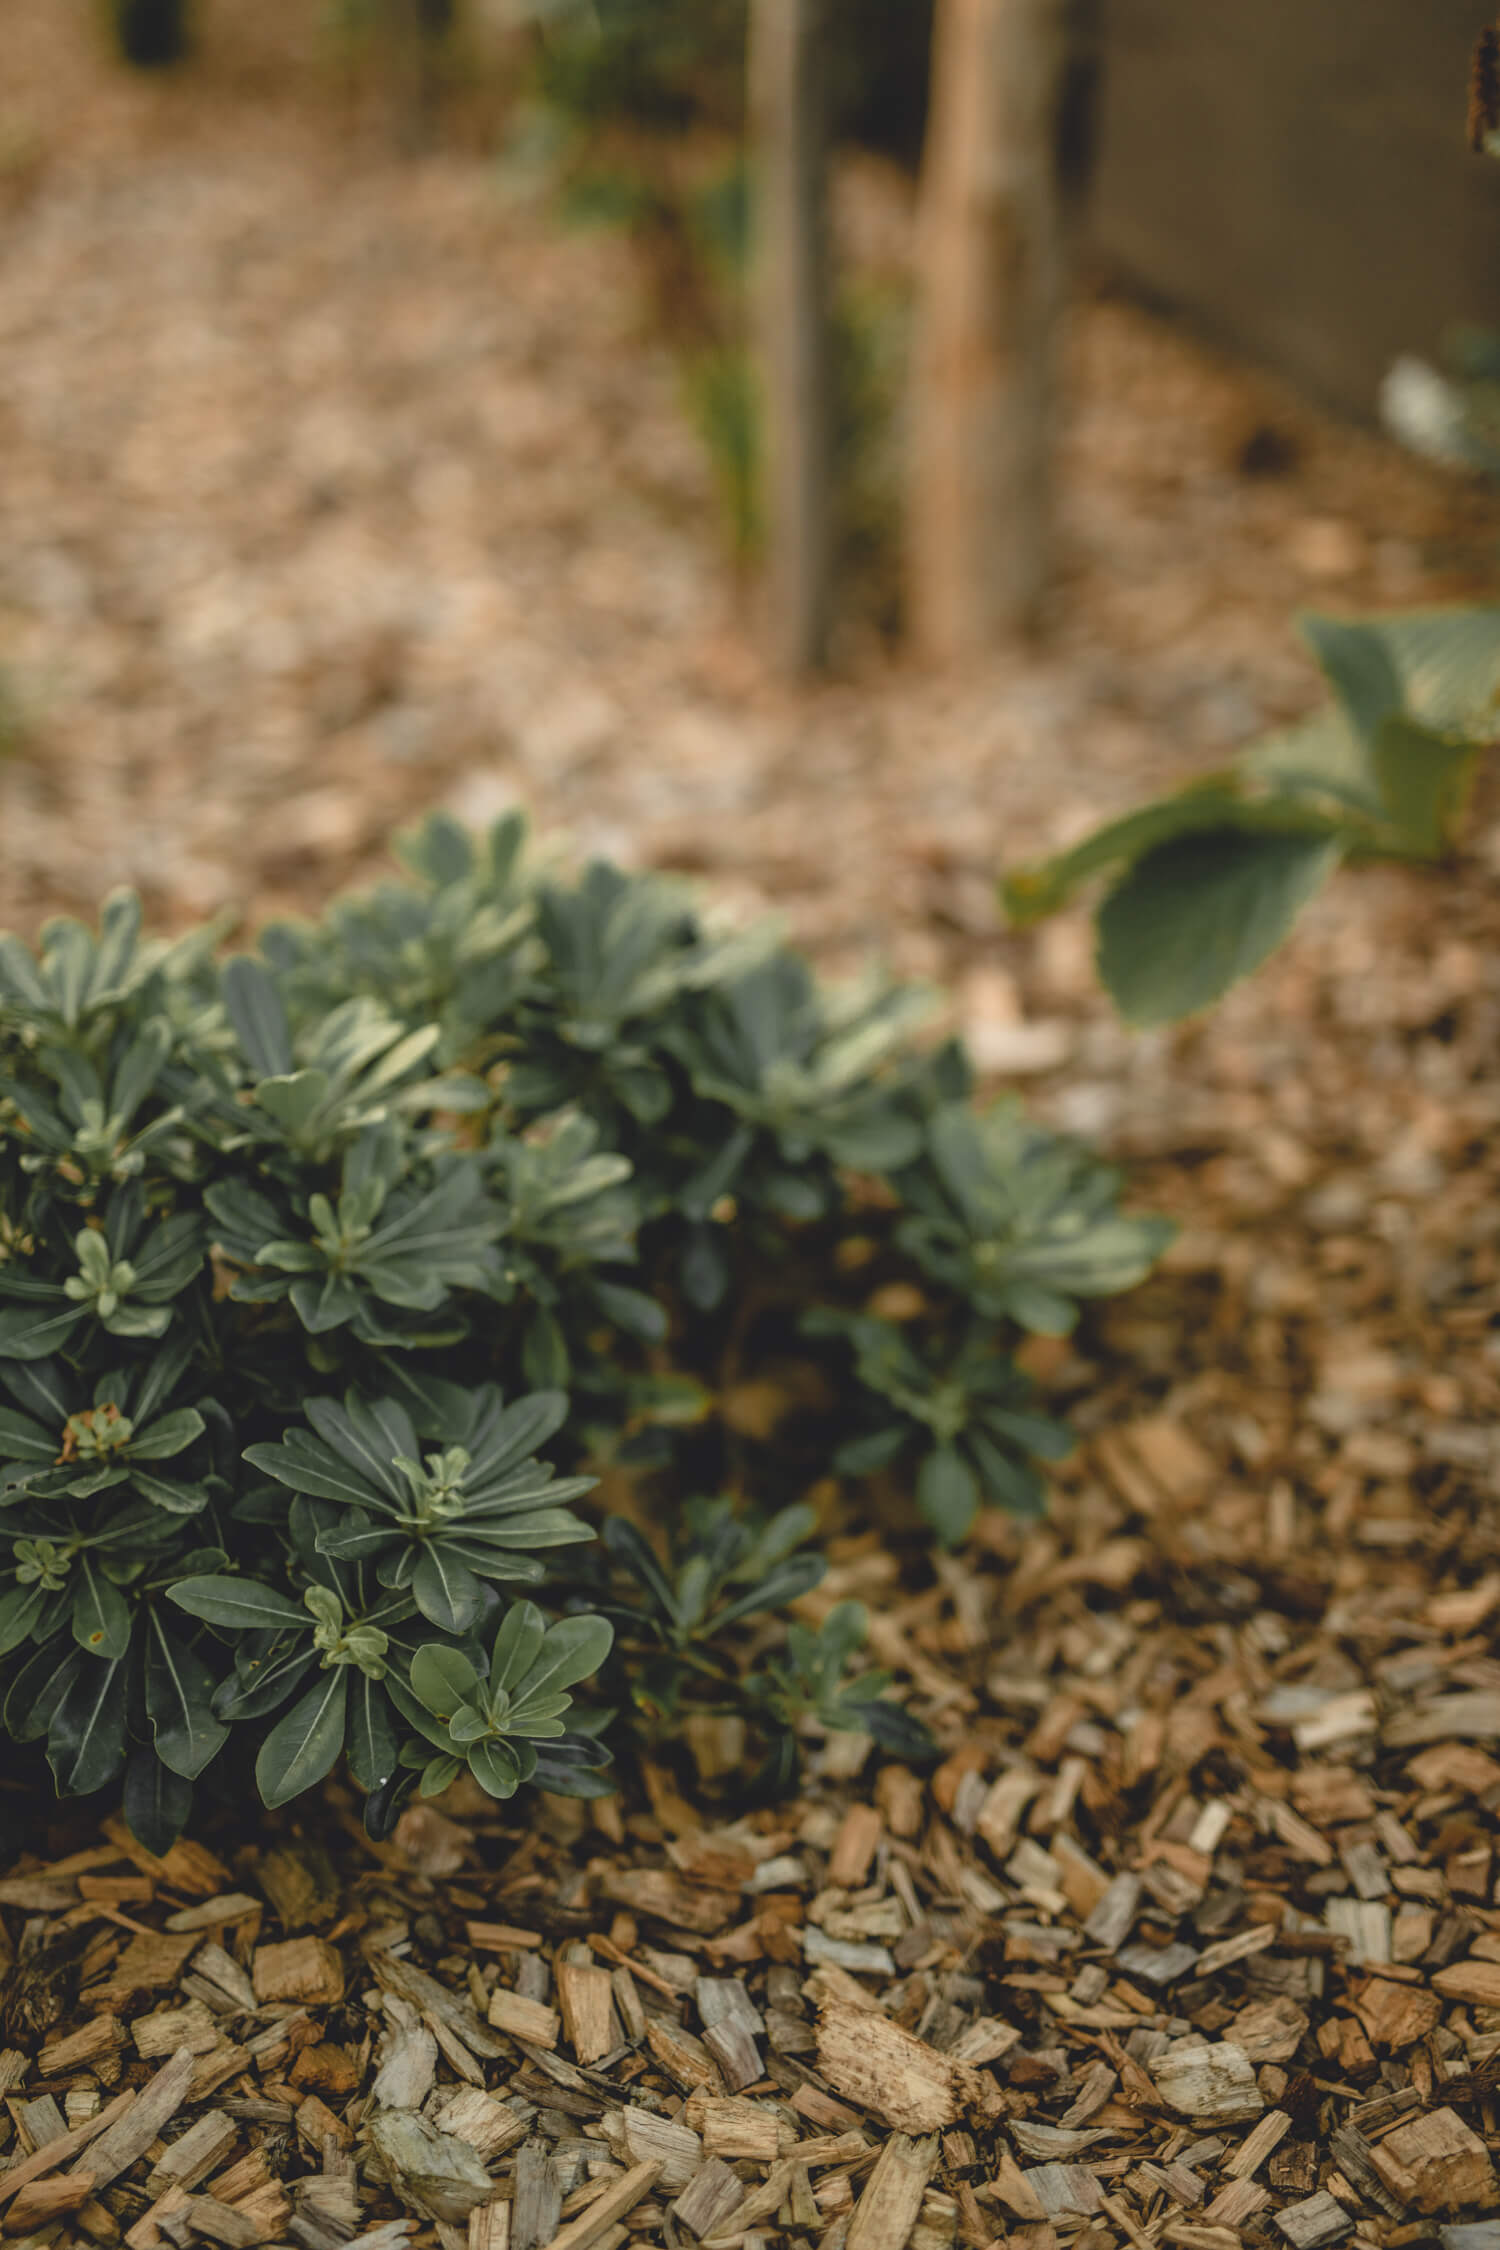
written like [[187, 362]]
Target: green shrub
[[1203, 885], [332, 1277]]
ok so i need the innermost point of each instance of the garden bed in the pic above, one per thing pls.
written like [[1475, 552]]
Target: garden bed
[[1220, 1742]]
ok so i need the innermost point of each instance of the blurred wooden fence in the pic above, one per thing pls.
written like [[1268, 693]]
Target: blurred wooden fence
[[1293, 175]]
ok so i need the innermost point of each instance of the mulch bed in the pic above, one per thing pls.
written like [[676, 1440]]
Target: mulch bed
[[1190, 1939], [1193, 1936]]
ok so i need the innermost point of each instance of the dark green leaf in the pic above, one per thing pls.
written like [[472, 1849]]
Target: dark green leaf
[[947, 1494], [1193, 917], [179, 1688], [86, 1740], [302, 1748], [445, 1590], [101, 1614], [242, 1604], [157, 1804], [259, 1018], [373, 1743]]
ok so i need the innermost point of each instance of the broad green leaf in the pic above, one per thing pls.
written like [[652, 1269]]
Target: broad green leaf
[[1356, 657], [38, 1689], [507, 1436], [303, 1746], [242, 1604], [294, 1099], [174, 1499], [1449, 665], [1013, 1485], [896, 1731], [371, 1438], [18, 975], [786, 1581], [308, 1466], [442, 1678], [947, 1493], [21, 1439], [157, 1802], [373, 1743], [119, 932], [101, 1614], [571, 1651], [517, 1645], [170, 1434], [864, 1456], [439, 1774], [86, 1740], [20, 1608], [844, 1630], [265, 1684], [32, 1331], [1030, 894], [1034, 1433], [629, 1546], [178, 1690], [258, 1015], [1425, 781], [496, 1766], [1321, 761], [139, 1068], [445, 1590], [1194, 916]]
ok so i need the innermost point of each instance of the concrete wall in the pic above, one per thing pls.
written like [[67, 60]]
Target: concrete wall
[[1293, 175]]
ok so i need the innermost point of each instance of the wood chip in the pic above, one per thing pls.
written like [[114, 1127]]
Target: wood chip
[[1476, 1983], [675, 2148], [1396, 2016], [585, 1998], [300, 1968], [592, 2227], [1114, 1917], [900, 2079], [1257, 2145], [525, 2019], [1213, 2084], [1316, 2224], [132, 2133], [855, 1847], [891, 2204], [197, 2152], [710, 2199], [1437, 2163], [42, 2203]]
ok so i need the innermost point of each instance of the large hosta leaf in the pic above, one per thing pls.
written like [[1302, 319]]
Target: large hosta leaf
[[1195, 915]]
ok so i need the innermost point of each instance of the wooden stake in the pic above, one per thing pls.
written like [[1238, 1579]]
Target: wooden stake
[[788, 108], [990, 279]]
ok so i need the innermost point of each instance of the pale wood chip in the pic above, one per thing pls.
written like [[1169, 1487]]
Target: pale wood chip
[[897, 2076], [1315, 2224], [891, 2204], [131, 2134], [592, 2227], [300, 1968]]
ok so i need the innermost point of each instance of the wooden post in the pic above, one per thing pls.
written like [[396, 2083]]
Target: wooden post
[[990, 284], [420, 29], [789, 126]]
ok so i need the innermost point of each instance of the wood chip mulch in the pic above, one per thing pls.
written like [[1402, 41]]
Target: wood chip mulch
[[1192, 1939]]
